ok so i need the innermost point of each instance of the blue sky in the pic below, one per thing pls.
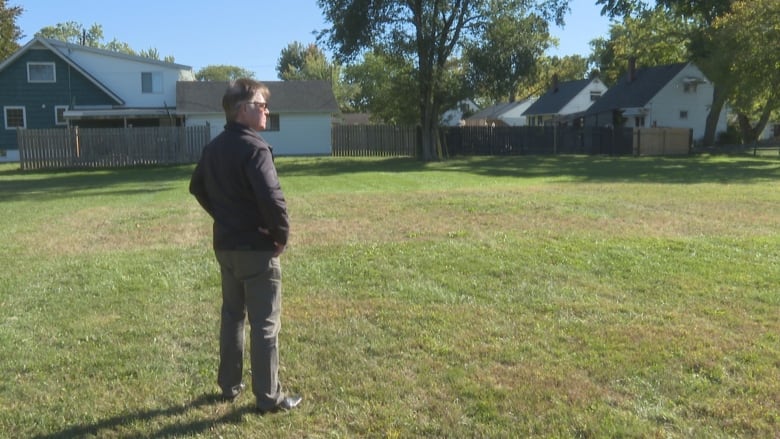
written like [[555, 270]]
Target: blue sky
[[246, 33]]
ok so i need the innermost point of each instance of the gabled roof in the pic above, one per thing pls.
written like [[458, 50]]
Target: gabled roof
[[61, 49], [286, 96], [496, 111], [638, 92], [553, 101]]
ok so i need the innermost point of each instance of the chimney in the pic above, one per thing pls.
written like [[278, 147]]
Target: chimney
[[631, 69], [555, 83]]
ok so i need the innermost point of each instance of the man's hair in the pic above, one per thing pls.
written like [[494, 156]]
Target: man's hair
[[240, 91]]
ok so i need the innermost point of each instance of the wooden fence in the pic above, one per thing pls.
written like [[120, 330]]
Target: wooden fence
[[662, 141], [374, 140], [67, 148]]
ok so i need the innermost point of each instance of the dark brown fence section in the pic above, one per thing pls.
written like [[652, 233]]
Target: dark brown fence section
[[536, 140], [374, 140], [387, 140], [110, 147]]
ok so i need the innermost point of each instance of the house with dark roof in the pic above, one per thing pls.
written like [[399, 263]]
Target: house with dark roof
[[299, 123], [53, 84], [502, 114], [669, 96], [564, 102]]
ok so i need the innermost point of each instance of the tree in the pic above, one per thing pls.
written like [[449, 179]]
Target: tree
[[297, 62], [383, 85], [748, 42], [652, 37], [9, 31], [75, 33], [425, 31], [507, 55], [222, 73], [700, 15], [567, 68]]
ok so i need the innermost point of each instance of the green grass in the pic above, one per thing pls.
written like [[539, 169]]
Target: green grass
[[481, 297]]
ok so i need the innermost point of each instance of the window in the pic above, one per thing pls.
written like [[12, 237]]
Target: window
[[41, 72], [683, 114], [59, 114], [639, 121], [151, 82], [272, 123], [595, 95], [689, 87], [15, 117]]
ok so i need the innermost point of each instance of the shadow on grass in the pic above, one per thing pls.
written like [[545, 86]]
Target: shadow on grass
[[173, 429], [693, 169], [44, 185]]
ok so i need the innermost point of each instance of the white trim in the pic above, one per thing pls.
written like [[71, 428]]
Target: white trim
[[42, 81], [64, 121]]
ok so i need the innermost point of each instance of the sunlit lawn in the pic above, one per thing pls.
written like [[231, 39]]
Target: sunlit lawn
[[481, 297]]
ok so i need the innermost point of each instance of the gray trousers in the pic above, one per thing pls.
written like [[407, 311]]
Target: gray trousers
[[251, 285]]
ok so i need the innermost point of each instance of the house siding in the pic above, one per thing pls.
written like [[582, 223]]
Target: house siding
[[299, 133], [40, 99]]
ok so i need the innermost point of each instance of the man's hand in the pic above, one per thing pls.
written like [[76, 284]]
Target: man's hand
[[278, 248]]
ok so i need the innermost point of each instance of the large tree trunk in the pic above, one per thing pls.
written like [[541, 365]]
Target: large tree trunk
[[718, 101], [751, 132]]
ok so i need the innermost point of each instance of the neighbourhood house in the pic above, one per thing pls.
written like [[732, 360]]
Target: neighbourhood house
[[503, 114], [565, 102], [670, 96], [53, 84], [300, 120]]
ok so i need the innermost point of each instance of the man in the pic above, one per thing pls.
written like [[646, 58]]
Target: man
[[235, 181]]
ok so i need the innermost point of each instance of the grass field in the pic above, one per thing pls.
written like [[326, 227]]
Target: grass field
[[484, 297]]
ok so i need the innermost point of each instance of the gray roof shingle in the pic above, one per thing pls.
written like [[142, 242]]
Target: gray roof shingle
[[286, 96], [647, 83], [555, 99]]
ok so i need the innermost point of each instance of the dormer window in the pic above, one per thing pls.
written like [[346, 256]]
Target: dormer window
[[41, 72]]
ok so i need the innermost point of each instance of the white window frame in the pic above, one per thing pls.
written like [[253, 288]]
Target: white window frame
[[683, 114], [5, 117], [57, 120], [273, 123], [42, 81], [156, 83]]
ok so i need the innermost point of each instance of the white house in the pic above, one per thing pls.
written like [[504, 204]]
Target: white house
[[564, 101], [503, 114], [673, 96], [300, 120]]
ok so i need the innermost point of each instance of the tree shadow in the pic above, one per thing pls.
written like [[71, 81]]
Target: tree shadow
[[604, 169], [16, 184], [173, 429]]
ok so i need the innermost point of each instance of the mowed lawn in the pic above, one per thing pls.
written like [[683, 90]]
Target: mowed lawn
[[478, 297]]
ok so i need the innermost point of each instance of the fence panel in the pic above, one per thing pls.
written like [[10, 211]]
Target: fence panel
[[110, 147], [374, 140]]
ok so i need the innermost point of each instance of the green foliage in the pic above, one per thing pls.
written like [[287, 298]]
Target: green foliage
[[427, 32], [297, 62], [75, 33], [10, 33], [653, 37], [222, 73], [385, 84], [506, 55]]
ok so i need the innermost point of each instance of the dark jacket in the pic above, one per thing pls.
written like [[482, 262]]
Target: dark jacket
[[236, 183]]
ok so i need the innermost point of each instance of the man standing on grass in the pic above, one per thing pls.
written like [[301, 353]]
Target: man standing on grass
[[235, 181]]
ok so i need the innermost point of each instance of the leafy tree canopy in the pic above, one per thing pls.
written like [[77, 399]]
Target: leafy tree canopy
[[75, 33], [222, 73], [9, 31]]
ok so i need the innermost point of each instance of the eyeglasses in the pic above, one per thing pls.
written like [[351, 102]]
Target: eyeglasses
[[260, 105]]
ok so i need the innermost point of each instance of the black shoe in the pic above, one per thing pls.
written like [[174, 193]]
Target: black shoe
[[234, 392], [288, 403]]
